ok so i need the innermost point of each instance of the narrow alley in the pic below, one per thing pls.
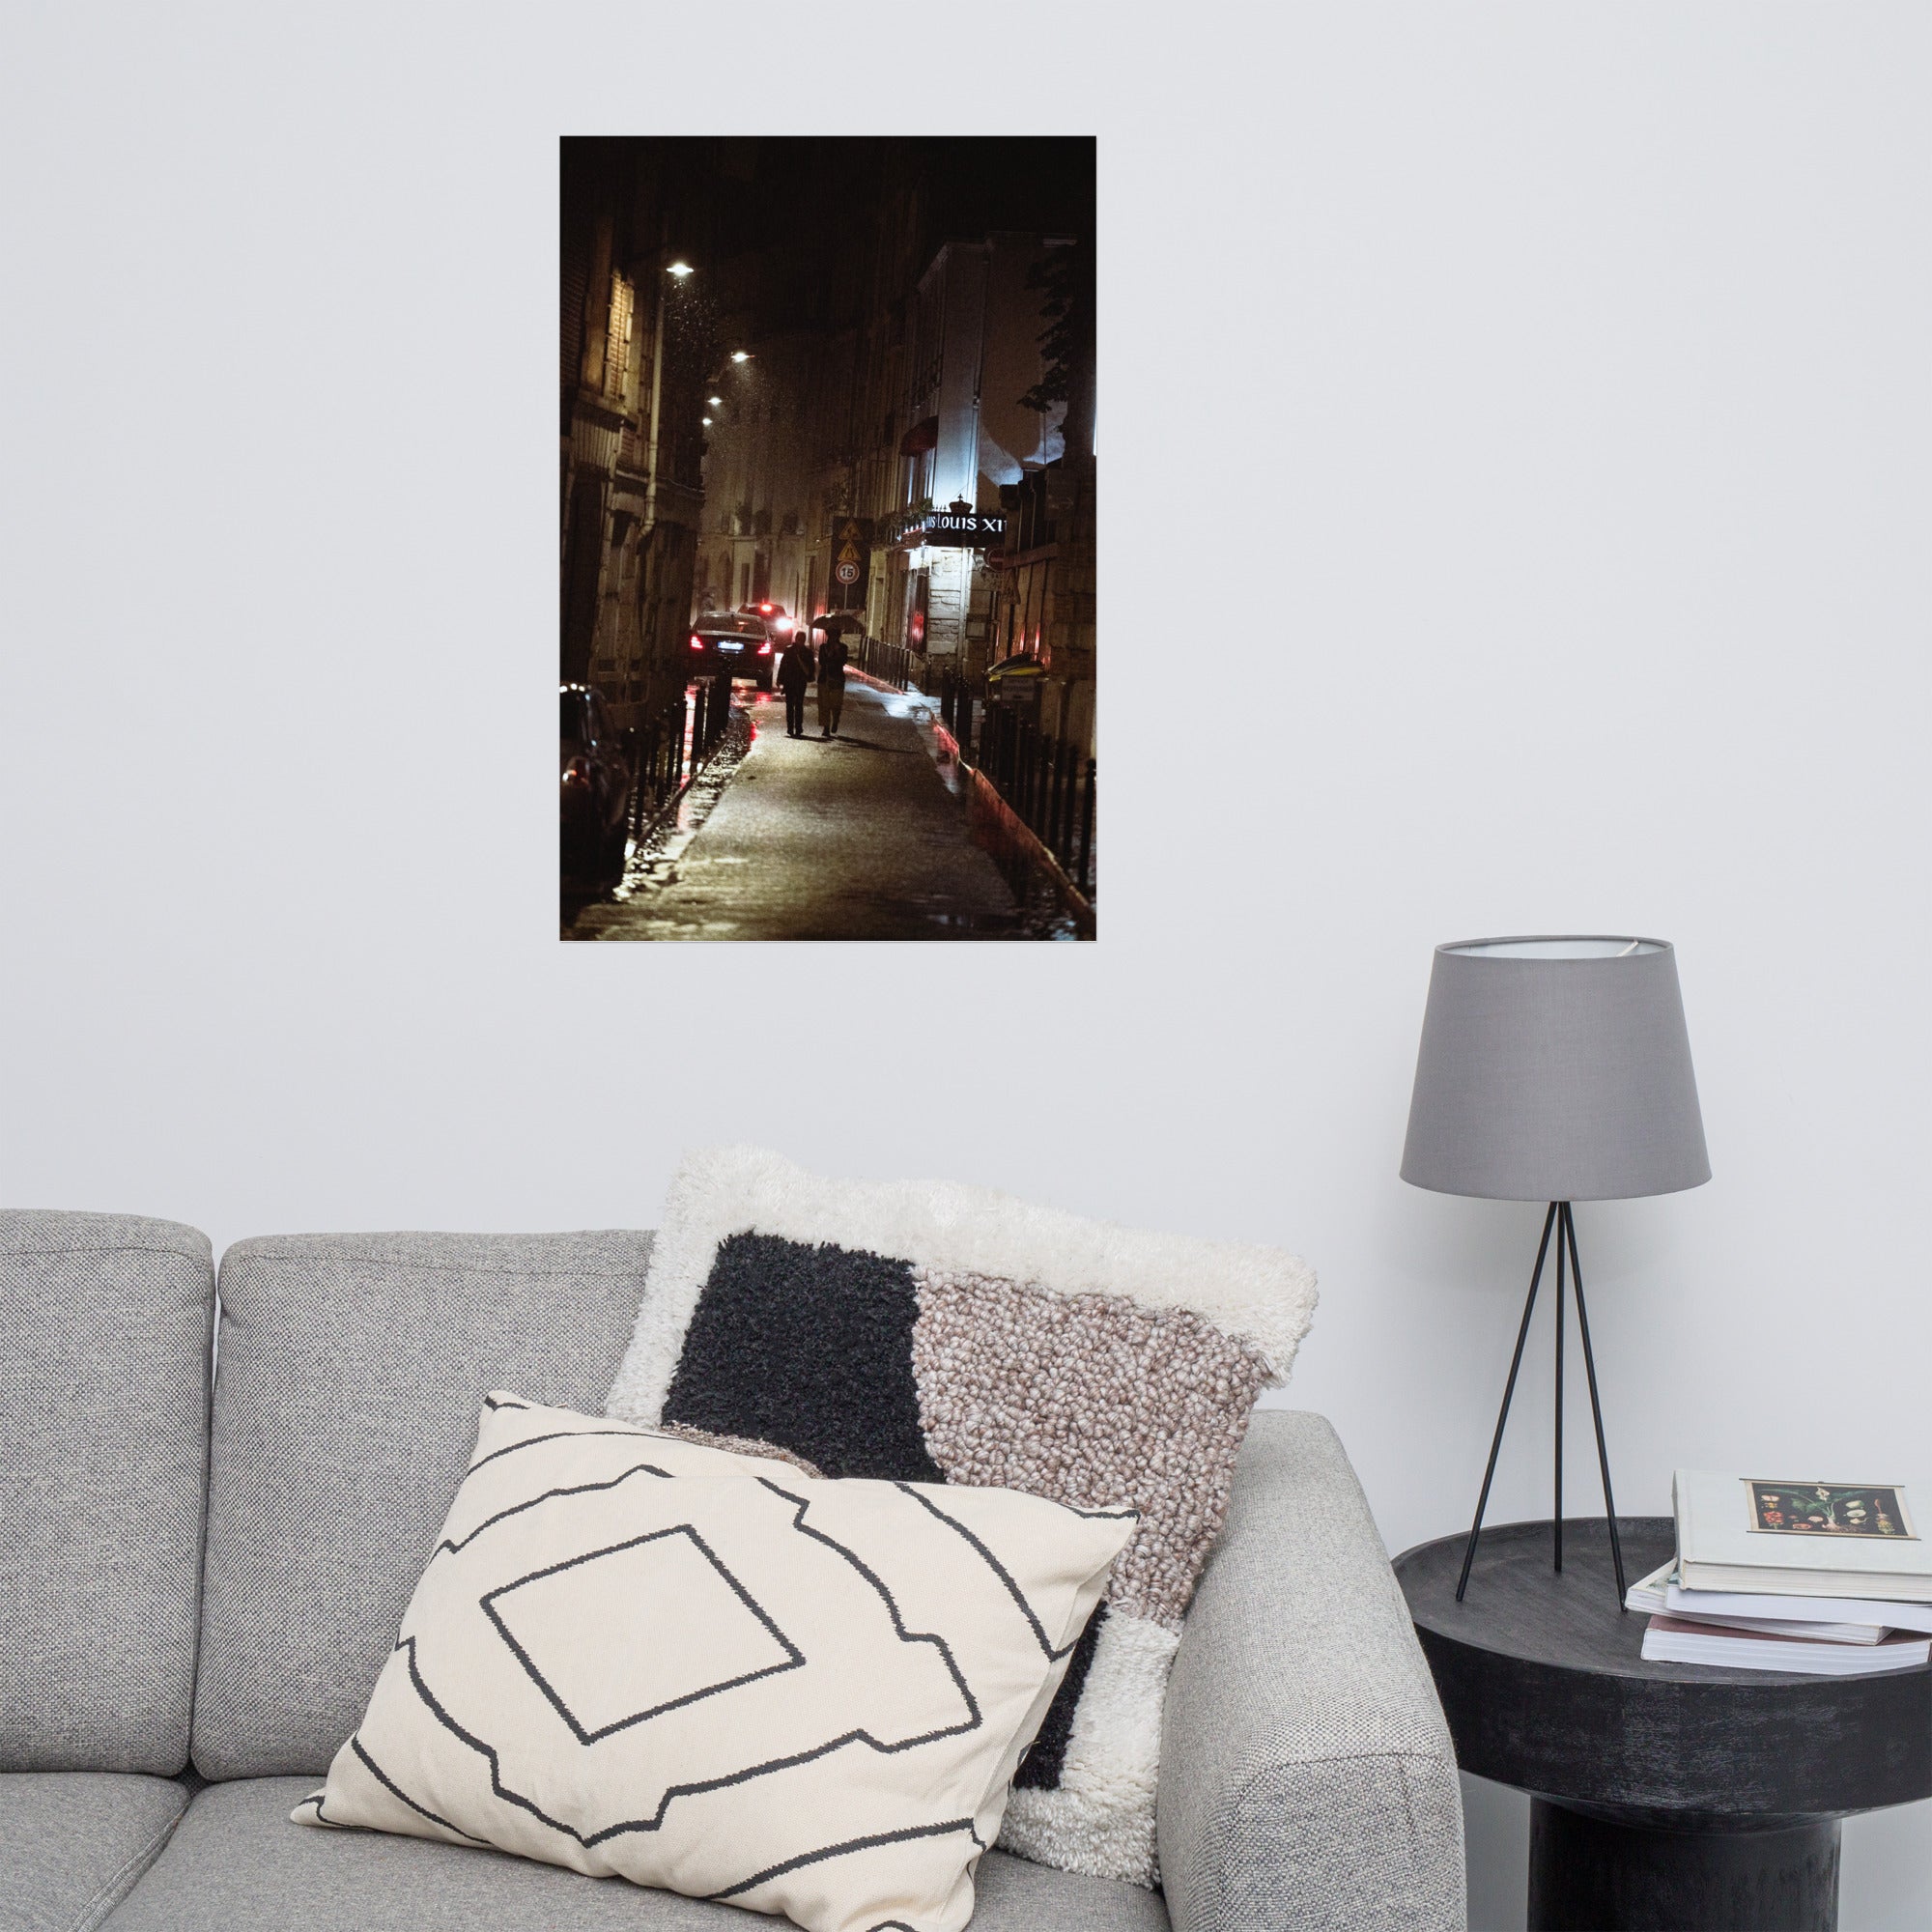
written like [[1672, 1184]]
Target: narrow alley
[[857, 837], [833, 394]]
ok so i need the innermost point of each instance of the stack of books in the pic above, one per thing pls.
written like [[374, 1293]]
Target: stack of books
[[1826, 1579]]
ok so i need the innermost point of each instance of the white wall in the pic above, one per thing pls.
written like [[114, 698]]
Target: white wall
[[1569, 367]]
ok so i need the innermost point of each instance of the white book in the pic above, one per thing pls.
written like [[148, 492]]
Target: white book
[[1857, 1612], [1659, 1596], [1669, 1640], [1805, 1538]]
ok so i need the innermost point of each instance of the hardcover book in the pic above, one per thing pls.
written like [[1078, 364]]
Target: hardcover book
[[1809, 1537], [1847, 1619], [1672, 1640], [1774, 1616]]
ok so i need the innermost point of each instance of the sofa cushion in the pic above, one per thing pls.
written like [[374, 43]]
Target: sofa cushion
[[633, 1652], [928, 1332], [103, 1409], [236, 1865], [352, 1368], [71, 1843]]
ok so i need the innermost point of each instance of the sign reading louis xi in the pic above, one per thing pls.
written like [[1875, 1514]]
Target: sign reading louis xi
[[957, 529]]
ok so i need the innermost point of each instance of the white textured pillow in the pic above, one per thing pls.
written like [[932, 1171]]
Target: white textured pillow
[[635, 1655], [928, 1332]]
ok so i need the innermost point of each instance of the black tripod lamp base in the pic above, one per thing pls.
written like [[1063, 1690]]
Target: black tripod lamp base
[[1562, 1224]]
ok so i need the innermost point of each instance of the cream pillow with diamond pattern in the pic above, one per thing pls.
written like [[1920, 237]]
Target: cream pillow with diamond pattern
[[641, 1656]]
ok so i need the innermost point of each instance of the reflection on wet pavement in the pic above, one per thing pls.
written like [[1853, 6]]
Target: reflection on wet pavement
[[860, 837]]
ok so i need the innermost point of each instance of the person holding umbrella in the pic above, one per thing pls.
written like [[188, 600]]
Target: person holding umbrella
[[795, 672], [832, 660]]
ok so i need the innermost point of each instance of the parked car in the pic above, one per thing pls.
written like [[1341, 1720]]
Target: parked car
[[731, 644], [595, 784]]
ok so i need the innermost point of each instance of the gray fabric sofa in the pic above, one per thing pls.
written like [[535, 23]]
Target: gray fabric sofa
[[201, 1574]]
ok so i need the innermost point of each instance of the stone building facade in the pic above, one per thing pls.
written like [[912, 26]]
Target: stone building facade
[[877, 350], [631, 434], [766, 515], [973, 442]]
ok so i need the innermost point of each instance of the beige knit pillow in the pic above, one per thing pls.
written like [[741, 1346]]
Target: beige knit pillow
[[635, 1655]]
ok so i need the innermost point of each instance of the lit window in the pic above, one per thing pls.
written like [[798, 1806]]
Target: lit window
[[617, 349]]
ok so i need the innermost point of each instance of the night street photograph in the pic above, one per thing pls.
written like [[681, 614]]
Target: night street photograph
[[827, 602]]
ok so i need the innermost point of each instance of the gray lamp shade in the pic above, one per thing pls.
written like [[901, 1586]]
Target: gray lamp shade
[[1554, 1069]]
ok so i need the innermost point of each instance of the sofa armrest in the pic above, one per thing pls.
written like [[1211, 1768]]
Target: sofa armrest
[[1307, 1780]]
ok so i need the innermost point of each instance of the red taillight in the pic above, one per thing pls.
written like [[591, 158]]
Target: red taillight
[[577, 772], [766, 608], [765, 649], [697, 644]]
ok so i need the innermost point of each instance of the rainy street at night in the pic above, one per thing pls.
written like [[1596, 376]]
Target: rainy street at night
[[826, 597], [864, 836]]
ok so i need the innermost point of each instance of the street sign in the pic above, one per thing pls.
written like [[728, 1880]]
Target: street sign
[[950, 529], [851, 548]]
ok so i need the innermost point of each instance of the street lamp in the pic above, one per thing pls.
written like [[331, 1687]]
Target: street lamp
[[740, 356], [706, 420], [677, 271], [716, 402]]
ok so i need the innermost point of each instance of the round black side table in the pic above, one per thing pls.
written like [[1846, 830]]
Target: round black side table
[[1669, 1797]]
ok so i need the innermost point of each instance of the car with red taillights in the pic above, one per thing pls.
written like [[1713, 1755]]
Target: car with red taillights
[[776, 620], [733, 645]]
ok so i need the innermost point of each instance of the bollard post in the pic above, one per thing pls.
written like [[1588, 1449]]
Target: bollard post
[[1064, 787], [1084, 878], [1069, 818], [1069, 792], [1056, 814]]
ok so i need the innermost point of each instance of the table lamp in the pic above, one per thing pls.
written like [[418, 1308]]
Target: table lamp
[[1554, 1069]]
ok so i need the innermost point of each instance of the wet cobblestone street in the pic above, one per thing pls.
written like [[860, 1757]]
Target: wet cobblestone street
[[857, 837]]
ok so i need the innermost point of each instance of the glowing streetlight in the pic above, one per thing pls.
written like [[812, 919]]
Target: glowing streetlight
[[678, 268], [740, 356], [716, 402], [706, 420]]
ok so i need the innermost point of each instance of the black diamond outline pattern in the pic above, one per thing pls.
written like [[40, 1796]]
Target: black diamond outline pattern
[[794, 1657]]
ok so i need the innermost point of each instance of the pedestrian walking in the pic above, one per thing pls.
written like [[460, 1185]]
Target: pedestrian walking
[[832, 658], [795, 672]]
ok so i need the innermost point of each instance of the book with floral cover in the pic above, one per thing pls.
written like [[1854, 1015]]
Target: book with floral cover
[[1805, 1537]]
